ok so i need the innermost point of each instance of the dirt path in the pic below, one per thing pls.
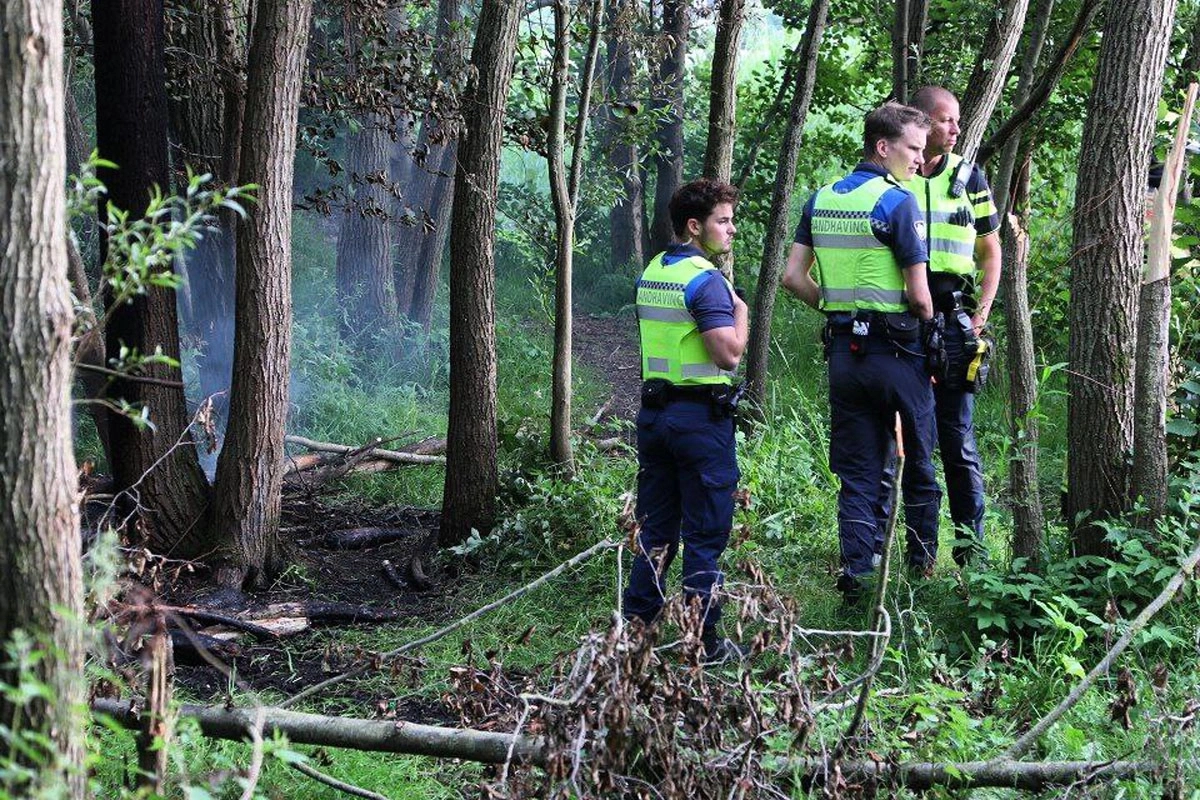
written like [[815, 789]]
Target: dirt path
[[609, 347]]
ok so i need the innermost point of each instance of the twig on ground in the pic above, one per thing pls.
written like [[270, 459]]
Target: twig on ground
[[607, 544], [254, 772], [387, 455], [334, 783], [1022, 745]]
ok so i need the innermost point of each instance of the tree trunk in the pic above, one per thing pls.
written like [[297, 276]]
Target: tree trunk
[[1041, 90], [918, 19], [365, 289], [900, 21], [991, 70], [1149, 480], [205, 65], [471, 479], [1028, 519], [669, 96], [42, 590], [722, 93], [1107, 259], [625, 217], [758, 353], [157, 467], [430, 193], [250, 469]]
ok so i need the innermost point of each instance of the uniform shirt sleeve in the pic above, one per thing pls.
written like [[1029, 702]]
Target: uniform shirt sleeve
[[804, 229], [898, 223], [707, 297], [987, 216]]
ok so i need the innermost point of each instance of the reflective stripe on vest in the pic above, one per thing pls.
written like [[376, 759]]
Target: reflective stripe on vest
[[853, 268], [672, 346], [950, 220]]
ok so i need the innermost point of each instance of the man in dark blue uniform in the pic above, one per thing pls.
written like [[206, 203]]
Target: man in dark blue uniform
[[693, 330], [860, 257]]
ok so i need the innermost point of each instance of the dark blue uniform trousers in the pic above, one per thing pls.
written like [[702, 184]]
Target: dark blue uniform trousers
[[954, 411], [687, 475], [865, 394]]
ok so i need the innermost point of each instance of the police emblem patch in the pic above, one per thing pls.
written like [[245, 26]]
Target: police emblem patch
[[919, 225]]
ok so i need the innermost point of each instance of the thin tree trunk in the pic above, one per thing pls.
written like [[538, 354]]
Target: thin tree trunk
[[157, 467], [758, 353], [722, 94], [1149, 479], [1028, 519], [250, 469], [625, 217], [991, 70], [669, 98], [1040, 91], [471, 478], [918, 19], [428, 266], [900, 21], [42, 590], [1106, 265]]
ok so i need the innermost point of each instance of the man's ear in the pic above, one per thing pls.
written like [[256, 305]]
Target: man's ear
[[694, 227], [881, 147]]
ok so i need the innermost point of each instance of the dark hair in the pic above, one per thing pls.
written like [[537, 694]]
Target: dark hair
[[887, 122], [696, 200]]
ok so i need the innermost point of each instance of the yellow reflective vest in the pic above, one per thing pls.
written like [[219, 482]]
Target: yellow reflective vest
[[672, 347]]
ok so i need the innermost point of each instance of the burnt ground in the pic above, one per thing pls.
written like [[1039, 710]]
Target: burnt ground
[[606, 345]]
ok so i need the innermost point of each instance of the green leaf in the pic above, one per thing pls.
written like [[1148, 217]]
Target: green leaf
[[1182, 427], [1073, 667]]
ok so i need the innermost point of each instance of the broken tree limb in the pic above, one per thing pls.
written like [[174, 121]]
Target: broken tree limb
[[493, 748], [359, 538], [1022, 745], [213, 618], [395, 456], [386, 736], [599, 547], [334, 783]]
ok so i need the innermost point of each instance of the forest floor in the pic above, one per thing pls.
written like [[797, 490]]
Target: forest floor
[[607, 346]]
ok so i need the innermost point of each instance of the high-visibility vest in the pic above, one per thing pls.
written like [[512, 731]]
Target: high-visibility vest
[[854, 269], [950, 221], [672, 347]]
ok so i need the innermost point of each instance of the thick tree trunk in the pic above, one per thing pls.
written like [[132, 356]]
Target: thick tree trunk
[[1149, 480], [722, 93], [205, 65], [991, 70], [1028, 519], [918, 19], [365, 290], [625, 218], [774, 255], [430, 192], [42, 590], [1107, 259], [900, 21], [471, 478], [157, 467], [250, 469], [669, 97]]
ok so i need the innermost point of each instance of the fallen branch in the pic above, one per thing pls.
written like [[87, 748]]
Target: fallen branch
[[493, 748], [393, 575], [607, 544], [213, 618], [1022, 745], [326, 612], [600, 412], [395, 456], [358, 538], [334, 783]]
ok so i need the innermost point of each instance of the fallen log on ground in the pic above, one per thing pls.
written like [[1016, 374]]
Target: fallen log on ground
[[359, 538], [324, 612], [422, 453], [494, 748]]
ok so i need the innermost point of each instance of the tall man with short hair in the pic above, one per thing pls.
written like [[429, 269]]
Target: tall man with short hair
[[693, 330], [964, 273], [860, 257]]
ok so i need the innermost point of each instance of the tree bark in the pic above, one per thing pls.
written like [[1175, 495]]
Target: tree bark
[[250, 469], [900, 20], [1040, 91], [157, 468], [918, 19], [471, 478], [722, 93], [758, 353], [625, 217], [668, 97], [42, 590], [1028, 519], [1151, 375], [1106, 265], [991, 70]]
